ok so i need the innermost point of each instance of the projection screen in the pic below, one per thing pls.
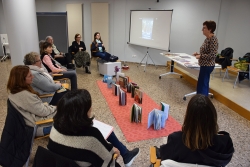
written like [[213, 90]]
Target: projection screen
[[150, 28]]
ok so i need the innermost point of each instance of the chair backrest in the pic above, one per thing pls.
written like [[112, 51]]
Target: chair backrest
[[15, 140], [48, 158], [171, 163]]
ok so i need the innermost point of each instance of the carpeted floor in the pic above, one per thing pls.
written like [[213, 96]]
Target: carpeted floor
[[169, 89]]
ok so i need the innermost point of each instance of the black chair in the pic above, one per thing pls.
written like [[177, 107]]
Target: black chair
[[48, 158], [17, 138]]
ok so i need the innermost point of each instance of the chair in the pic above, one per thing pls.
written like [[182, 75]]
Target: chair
[[236, 70], [48, 158], [168, 163], [17, 138]]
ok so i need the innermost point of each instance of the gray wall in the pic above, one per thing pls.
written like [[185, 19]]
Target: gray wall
[[232, 17]]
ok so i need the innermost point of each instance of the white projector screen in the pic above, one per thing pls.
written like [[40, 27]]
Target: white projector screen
[[150, 28]]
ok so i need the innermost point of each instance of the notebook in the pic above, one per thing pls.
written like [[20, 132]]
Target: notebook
[[136, 114], [138, 95], [122, 98], [105, 129], [158, 118], [115, 89], [119, 74]]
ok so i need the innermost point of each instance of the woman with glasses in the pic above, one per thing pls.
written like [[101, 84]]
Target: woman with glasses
[[79, 48], [206, 57], [26, 100], [43, 82]]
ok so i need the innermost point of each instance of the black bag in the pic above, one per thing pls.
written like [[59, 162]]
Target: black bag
[[113, 58]]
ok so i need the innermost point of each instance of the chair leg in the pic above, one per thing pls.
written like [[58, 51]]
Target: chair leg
[[225, 75], [237, 79]]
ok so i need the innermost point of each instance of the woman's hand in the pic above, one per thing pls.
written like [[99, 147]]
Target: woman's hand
[[195, 53], [197, 56], [116, 151], [102, 45], [58, 83], [80, 48]]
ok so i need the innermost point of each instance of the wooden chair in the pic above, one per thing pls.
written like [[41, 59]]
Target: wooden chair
[[153, 159]]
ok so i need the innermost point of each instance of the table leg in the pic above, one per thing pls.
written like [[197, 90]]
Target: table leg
[[171, 71]]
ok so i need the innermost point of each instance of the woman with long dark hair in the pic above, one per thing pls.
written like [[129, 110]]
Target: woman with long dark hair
[[200, 141]]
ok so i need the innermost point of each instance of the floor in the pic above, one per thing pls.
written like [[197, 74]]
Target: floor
[[170, 89]]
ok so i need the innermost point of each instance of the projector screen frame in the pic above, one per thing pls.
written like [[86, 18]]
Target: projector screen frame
[[146, 45]]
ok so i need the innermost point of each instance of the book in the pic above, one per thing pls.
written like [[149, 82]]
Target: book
[[119, 74], [129, 86], [122, 98], [157, 117], [136, 114], [138, 95], [133, 90], [115, 89], [105, 129], [62, 89], [123, 81]]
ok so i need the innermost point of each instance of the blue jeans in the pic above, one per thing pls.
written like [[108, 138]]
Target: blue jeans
[[71, 74], [116, 143], [103, 55], [46, 130], [203, 80]]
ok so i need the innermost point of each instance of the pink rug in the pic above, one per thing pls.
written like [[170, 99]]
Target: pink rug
[[136, 131]]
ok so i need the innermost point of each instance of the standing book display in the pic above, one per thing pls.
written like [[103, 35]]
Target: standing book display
[[157, 117], [122, 98], [138, 95], [133, 90], [123, 81], [136, 113], [115, 89]]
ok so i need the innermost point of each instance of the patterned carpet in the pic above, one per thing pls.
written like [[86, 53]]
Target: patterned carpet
[[169, 89]]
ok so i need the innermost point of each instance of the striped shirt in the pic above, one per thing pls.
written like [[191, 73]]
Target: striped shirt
[[208, 51]]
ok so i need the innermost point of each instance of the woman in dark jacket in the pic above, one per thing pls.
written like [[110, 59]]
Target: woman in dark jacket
[[78, 47], [199, 142], [98, 49]]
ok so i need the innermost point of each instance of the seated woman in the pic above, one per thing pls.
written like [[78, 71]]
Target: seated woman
[[53, 66], [42, 82], [74, 137], [26, 100], [79, 48], [98, 49], [199, 142]]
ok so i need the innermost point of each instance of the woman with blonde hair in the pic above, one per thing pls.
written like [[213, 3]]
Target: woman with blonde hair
[[26, 100], [199, 142]]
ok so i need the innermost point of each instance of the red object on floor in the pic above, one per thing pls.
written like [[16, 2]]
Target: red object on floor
[[136, 131]]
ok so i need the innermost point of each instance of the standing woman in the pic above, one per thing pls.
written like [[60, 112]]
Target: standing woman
[[206, 57], [79, 48], [98, 48]]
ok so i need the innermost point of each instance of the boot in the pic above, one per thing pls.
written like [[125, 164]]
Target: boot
[[87, 70]]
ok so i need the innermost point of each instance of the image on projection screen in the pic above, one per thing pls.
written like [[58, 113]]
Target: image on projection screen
[[150, 28], [147, 27]]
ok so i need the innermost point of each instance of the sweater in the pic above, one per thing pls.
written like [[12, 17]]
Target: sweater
[[32, 108], [43, 83], [208, 51], [86, 148], [219, 154], [76, 46]]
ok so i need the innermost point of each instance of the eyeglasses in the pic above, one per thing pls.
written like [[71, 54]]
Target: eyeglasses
[[78, 37], [38, 60]]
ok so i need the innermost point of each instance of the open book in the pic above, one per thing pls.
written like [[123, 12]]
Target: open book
[[105, 129], [157, 117]]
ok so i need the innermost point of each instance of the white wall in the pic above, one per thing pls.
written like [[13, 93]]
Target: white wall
[[2, 25], [232, 17]]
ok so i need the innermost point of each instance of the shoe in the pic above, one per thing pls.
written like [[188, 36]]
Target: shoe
[[87, 70], [129, 157]]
